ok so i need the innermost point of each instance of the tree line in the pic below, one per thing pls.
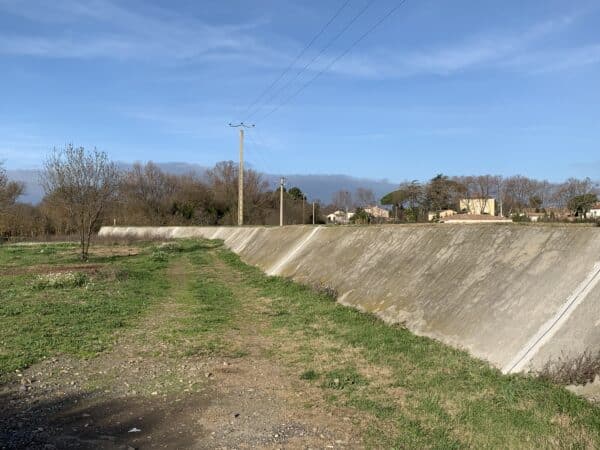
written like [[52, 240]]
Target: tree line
[[85, 190], [515, 195]]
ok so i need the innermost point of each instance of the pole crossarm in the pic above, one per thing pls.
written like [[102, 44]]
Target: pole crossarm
[[241, 124]]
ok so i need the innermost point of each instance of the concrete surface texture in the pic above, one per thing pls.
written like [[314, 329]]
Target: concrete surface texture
[[513, 295]]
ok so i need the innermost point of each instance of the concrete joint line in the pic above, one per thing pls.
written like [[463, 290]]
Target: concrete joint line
[[279, 265], [246, 241], [549, 329]]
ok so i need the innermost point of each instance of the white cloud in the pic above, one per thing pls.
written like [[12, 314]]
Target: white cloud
[[106, 29], [102, 29], [523, 50]]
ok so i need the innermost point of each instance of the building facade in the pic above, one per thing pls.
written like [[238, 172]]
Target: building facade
[[478, 206]]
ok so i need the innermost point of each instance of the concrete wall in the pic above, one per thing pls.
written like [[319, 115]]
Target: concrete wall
[[513, 295]]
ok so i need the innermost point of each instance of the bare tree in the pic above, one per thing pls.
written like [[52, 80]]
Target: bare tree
[[342, 200], [482, 187], [365, 197], [517, 193], [571, 188], [146, 192], [223, 183], [83, 184]]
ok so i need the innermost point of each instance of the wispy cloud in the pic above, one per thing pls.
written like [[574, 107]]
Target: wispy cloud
[[107, 29], [103, 29], [523, 50], [177, 122]]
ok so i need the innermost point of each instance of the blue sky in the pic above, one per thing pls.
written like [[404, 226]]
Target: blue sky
[[457, 87]]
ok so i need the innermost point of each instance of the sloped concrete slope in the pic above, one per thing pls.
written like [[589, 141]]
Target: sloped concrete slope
[[513, 295]]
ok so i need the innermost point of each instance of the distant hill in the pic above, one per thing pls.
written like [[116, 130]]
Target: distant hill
[[317, 187]]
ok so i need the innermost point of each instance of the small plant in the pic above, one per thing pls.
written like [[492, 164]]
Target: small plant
[[159, 255], [326, 290], [309, 375], [60, 280], [345, 378], [580, 369], [169, 247]]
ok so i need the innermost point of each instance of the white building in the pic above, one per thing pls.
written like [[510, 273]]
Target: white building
[[377, 212], [340, 217], [478, 206], [594, 213], [441, 214]]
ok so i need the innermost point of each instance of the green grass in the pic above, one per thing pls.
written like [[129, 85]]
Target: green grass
[[409, 391], [449, 399], [208, 307], [75, 315]]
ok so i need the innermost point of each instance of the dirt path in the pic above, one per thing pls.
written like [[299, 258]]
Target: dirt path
[[147, 392]]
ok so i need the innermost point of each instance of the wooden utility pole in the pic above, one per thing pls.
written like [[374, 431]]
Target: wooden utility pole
[[281, 183], [241, 126], [313, 213], [303, 203], [241, 181]]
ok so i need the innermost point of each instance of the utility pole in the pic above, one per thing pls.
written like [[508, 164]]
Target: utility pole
[[281, 183], [313, 213], [241, 126], [303, 202]]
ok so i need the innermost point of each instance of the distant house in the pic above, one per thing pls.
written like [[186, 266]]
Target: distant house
[[594, 212], [441, 214], [377, 212], [339, 217], [478, 206]]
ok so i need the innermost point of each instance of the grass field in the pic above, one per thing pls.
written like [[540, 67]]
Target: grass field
[[396, 389]]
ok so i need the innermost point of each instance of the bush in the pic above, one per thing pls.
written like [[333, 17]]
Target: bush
[[520, 218]]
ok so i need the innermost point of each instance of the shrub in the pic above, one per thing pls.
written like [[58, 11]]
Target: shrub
[[580, 369]]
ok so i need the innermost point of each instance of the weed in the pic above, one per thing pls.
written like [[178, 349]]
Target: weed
[[159, 255], [60, 280], [326, 290], [580, 369], [344, 378], [309, 375]]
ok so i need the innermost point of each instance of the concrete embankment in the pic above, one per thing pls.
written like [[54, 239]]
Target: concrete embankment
[[513, 295]]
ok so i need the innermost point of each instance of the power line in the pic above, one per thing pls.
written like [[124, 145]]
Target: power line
[[300, 55], [317, 56], [335, 60], [256, 147]]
